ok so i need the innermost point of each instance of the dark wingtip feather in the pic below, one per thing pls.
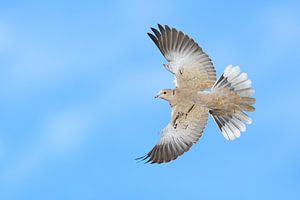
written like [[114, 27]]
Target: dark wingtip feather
[[143, 158], [156, 32], [148, 161], [161, 28], [152, 36], [139, 158], [154, 39], [153, 29]]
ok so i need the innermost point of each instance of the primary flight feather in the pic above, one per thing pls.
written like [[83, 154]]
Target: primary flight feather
[[196, 95]]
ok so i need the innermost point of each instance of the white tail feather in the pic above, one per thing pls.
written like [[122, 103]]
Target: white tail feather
[[232, 126]]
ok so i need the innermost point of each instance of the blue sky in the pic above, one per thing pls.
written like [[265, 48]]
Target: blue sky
[[77, 82]]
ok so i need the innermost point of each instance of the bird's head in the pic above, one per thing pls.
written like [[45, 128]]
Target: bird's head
[[166, 94]]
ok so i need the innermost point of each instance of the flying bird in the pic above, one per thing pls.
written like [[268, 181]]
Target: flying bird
[[197, 94]]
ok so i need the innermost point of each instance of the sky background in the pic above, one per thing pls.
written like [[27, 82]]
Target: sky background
[[77, 81]]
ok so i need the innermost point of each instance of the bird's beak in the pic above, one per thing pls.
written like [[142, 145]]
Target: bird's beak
[[157, 96]]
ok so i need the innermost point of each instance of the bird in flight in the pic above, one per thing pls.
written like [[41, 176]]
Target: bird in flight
[[196, 95]]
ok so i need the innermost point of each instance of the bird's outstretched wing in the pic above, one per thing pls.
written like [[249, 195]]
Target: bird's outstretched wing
[[192, 67], [185, 128]]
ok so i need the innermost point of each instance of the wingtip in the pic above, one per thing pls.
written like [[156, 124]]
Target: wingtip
[[152, 29], [167, 27], [160, 27], [149, 34], [141, 159], [148, 161]]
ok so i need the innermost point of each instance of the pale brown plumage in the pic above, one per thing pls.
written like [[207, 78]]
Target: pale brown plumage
[[190, 101]]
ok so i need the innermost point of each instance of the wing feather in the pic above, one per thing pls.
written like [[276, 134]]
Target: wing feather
[[176, 140], [191, 65]]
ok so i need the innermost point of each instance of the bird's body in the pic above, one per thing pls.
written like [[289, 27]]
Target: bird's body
[[198, 94]]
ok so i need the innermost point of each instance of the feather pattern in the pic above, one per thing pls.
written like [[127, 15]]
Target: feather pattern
[[176, 140], [227, 101], [238, 87], [192, 67]]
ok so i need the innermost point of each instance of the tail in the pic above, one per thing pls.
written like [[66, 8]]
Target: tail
[[238, 86]]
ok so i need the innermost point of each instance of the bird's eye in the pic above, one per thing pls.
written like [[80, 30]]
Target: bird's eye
[[165, 92]]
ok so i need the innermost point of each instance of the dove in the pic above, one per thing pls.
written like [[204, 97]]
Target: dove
[[197, 95]]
